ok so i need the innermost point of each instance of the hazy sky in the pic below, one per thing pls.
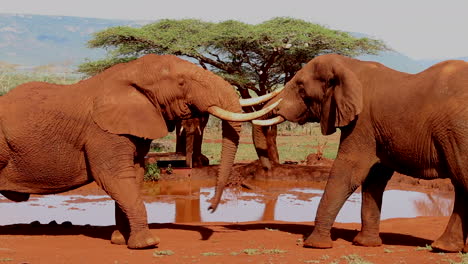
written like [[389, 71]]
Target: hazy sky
[[421, 29]]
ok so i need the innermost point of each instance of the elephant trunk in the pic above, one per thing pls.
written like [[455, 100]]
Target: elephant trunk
[[230, 142]]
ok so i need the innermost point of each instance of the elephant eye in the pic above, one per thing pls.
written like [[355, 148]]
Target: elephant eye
[[302, 92], [181, 82], [300, 84]]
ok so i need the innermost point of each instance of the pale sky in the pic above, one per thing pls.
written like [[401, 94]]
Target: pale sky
[[421, 29]]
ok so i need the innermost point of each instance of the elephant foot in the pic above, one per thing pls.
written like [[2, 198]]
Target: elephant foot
[[117, 238], [448, 246], [142, 239], [318, 241], [465, 249], [200, 161], [367, 240]]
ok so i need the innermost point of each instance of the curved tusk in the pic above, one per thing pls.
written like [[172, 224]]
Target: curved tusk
[[260, 99], [181, 130], [240, 117], [269, 122]]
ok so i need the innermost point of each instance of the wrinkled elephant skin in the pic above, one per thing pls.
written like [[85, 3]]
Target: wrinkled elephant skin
[[414, 124], [54, 138]]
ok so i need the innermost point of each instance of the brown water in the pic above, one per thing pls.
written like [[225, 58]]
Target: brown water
[[187, 201]]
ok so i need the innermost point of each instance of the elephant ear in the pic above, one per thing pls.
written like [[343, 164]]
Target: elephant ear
[[342, 100], [124, 109]]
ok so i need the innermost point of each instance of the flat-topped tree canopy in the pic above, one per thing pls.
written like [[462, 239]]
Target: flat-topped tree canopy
[[256, 59]]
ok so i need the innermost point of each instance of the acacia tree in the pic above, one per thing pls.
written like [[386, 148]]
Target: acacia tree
[[256, 59]]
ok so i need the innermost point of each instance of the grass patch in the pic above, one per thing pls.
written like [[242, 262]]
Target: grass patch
[[355, 259], [294, 147], [254, 251], [427, 247], [206, 254], [251, 251], [387, 250], [274, 251], [11, 79], [159, 253], [463, 259], [5, 259]]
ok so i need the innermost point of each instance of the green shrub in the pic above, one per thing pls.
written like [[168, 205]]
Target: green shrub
[[152, 172]]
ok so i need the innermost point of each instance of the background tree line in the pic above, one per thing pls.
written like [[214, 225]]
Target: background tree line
[[255, 59]]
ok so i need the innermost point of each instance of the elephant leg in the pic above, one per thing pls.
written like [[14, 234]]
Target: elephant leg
[[372, 193], [134, 209], [456, 161], [345, 177], [121, 235], [272, 133], [112, 164], [454, 236], [199, 159], [189, 151], [264, 139]]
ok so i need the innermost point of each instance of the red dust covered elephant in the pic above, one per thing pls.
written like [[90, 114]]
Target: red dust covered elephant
[[54, 138], [414, 124]]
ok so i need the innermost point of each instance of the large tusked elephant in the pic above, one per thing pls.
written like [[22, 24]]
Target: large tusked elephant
[[415, 124], [55, 138]]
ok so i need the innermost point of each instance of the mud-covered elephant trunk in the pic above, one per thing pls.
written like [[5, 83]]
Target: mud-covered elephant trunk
[[231, 132], [230, 142], [221, 100]]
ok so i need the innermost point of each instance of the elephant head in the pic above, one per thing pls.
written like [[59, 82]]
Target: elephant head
[[189, 137], [323, 91], [143, 97]]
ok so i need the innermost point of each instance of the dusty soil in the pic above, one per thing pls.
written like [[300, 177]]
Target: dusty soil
[[404, 239]]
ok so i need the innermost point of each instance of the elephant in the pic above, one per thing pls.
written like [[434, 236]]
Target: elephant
[[390, 121], [189, 137], [54, 138]]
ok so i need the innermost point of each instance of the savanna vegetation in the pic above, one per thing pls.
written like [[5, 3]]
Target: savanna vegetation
[[255, 59], [11, 76]]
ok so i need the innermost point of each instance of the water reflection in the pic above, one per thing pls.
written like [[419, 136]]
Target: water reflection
[[435, 205], [181, 202]]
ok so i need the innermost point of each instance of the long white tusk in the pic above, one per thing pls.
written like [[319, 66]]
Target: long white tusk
[[260, 99], [181, 130], [268, 122], [240, 117]]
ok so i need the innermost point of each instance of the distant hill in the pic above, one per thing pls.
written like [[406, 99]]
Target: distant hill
[[34, 40], [429, 63], [397, 61]]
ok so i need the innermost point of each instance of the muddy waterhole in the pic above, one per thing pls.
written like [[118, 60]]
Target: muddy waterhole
[[188, 200]]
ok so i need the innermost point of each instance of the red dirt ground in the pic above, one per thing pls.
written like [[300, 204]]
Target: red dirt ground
[[267, 242]]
